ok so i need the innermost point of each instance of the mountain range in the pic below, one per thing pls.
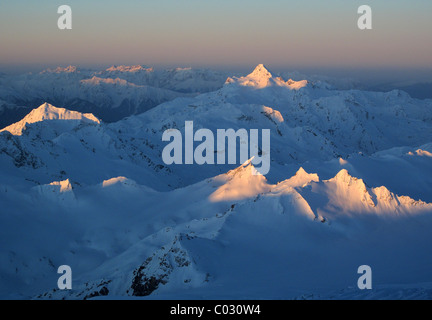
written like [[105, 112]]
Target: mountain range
[[111, 94], [85, 185]]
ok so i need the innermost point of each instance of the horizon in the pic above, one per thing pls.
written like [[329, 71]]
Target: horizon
[[281, 34], [375, 79]]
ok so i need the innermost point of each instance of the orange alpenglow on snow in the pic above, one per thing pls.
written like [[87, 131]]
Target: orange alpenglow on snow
[[261, 78]]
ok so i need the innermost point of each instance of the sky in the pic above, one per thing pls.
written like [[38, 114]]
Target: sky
[[221, 33]]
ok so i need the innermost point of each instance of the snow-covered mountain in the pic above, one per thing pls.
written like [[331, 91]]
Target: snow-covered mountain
[[261, 78], [350, 183], [49, 112], [186, 80], [111, 95], [141, 242], [306, 122]]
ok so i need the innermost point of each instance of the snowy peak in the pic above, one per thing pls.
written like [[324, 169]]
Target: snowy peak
[[262, 78], [57, 191], [241, 183], [132, 69], [302, 173], [118, 181], [69, 69], [352, 195], [350, 189], [259, 78], [300, 179], [62, 186], [48, 112], [344, 193], [344, 177], [260, 72]]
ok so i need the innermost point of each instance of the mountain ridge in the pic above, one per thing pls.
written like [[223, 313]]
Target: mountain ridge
[[47, 111]]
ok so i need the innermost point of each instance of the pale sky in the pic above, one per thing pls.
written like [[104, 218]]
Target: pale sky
[[225, 33]]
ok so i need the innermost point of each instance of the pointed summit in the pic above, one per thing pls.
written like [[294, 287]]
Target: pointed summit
[[343, 178], [261, 72], [261, 78], [241, 183], [300, 179]]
